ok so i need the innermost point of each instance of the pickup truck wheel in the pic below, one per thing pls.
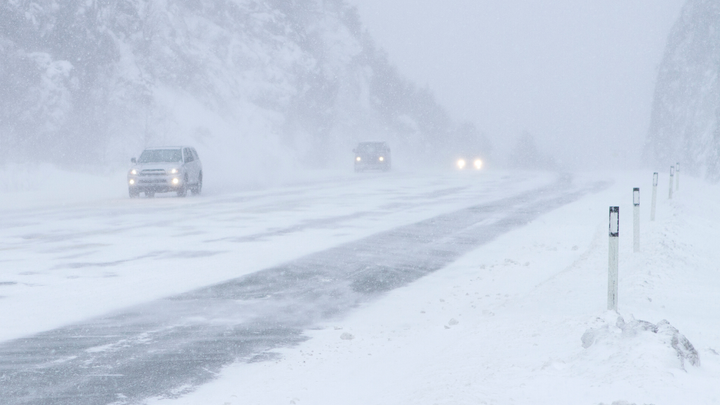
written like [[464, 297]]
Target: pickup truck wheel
[[182, 191], [198, 187]]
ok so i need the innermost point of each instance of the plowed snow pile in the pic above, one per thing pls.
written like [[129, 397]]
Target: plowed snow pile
[[523, 320]]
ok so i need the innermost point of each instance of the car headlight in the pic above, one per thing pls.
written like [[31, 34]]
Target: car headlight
[[133, 171], [174, 171], [132, 182], [478, 164], [382, 159], [357, 159], [175, 181], [461, 163]]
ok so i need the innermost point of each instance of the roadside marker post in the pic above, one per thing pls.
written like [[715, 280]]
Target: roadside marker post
[[654, 196], [614, 232], [672, 174], [636, 220], [677, 176]]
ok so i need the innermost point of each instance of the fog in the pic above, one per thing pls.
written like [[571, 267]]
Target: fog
[[577, 75], [265, 99]]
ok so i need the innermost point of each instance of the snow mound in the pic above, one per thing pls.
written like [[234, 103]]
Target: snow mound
[[613, 331]]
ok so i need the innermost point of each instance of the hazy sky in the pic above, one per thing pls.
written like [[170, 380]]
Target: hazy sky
[[578, 74]]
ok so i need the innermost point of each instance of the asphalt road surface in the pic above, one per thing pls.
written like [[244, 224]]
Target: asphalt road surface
[[169, 346]]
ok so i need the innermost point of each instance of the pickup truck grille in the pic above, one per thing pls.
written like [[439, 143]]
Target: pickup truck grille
[[152, 172], [152, 181]]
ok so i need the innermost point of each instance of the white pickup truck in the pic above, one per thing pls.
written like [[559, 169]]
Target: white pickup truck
[[165, 169]]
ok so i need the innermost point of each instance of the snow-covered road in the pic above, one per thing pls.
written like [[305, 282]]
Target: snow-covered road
[[119, 300]]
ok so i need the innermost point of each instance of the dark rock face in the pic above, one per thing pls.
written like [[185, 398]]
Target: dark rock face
[[686, 110]]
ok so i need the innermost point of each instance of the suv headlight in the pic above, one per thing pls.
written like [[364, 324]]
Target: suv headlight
[[174, 171], [133, 171]]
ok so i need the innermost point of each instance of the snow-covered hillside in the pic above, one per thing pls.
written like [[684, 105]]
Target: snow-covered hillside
[[686, 109], [257, 85]]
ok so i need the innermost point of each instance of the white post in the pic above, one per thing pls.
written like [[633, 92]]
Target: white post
[[672, 174], [677, 176], [636, 219], [613, 259], [654, 197]]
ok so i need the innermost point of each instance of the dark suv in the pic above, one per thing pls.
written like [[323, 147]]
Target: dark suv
[[372, 155]]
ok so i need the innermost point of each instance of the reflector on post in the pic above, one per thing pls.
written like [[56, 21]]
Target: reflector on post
[[636, 196], [614, 221]]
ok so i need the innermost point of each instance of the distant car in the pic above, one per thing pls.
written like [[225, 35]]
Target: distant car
[[166, 169], [470, 162], [372, 155]]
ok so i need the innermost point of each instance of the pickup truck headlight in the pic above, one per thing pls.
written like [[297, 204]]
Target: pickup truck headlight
[[174, 171], [133, 171], [175, 181]]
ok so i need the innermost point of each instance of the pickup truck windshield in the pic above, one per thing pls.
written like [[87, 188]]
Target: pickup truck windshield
[[371, 147], [160, 156]]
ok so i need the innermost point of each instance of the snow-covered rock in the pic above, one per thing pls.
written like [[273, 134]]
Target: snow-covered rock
[[618, 333]]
